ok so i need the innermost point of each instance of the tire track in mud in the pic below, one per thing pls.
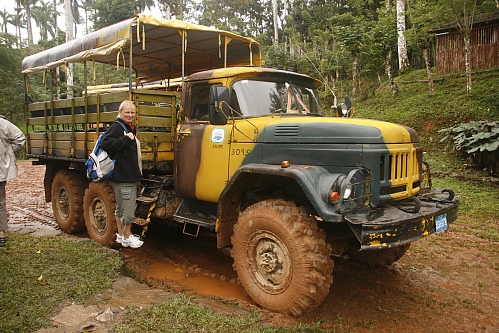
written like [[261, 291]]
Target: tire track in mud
[[29, 217]]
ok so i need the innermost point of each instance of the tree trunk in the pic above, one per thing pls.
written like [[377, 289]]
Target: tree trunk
[[285, 12], [467, 62], [57, 74], [388, 69], [428, 72], [28, 24], [402, 43], [355, 75], [276, 26], [69, 36], [168, 11]]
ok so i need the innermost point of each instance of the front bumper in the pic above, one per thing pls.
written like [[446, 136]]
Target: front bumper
[[389, 226]]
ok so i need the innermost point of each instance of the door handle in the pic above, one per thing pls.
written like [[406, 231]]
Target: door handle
[[184, 132]]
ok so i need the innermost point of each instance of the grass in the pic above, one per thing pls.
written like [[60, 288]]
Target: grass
[[39, 273], [182, 315]]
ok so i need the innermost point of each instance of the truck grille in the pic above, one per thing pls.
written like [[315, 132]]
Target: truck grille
[[400, 171]]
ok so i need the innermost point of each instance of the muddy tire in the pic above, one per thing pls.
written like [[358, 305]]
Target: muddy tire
[[99, 205], [378, 258], [68, 188], [281, 257]]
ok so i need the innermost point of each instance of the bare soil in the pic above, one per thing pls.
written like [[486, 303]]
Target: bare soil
[[445, 283]]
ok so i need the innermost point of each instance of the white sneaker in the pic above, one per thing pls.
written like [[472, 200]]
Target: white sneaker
[[120, 239], [133, 241]]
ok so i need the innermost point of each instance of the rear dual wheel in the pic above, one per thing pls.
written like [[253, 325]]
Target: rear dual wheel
[[99, 204], [68, 187], [281, 257]]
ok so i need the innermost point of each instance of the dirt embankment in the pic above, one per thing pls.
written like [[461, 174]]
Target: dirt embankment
[[445, 283]]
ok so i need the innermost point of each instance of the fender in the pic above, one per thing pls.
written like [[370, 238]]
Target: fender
[[314, 181]]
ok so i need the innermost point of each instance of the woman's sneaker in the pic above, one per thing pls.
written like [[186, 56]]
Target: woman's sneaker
[[119, 239], [133, 241]]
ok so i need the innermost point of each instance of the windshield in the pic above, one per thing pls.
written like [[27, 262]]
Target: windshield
[[257, 98]]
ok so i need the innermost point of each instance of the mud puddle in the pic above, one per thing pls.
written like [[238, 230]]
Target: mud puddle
[[182, 263]]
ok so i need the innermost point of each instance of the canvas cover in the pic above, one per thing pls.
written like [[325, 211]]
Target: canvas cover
[[157, 46]]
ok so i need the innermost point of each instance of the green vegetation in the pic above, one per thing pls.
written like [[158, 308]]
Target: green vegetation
[[477, 141], [416, 108], [39, 273], [182, 315]]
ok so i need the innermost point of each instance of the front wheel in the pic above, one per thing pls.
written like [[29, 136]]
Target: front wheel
[[281, 257], [99, 204], [378, 258], [67, 192]]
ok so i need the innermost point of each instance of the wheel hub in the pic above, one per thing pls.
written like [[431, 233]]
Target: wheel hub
[[271, 262], [63, 202], [98, 215]]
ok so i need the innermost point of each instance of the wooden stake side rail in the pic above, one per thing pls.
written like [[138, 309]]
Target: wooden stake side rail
[[68, 129]]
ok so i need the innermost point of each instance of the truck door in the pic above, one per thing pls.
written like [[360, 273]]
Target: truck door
[[202, 149]]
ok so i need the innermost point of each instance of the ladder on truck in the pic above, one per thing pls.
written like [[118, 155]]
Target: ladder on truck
[[147, 199]]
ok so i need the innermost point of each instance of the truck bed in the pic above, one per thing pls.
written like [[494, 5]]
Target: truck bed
[[67, 129]]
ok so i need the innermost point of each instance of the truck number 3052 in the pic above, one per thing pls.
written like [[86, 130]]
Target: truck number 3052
[[239, 152]]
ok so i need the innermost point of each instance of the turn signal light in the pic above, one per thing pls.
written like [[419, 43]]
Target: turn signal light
[[334, 196]]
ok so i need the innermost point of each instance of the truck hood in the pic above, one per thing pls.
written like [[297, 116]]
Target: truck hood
[[335, 130]]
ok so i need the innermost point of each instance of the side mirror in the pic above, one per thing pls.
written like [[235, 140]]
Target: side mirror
[[219, 105], [344, 108], [348, 102]]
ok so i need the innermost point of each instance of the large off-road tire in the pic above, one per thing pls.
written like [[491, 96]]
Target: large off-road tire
[[68, 187], [281, 257], [99, 204], [378, 258]]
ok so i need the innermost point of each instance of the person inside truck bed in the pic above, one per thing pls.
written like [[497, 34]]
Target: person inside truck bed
[[11, 140], [125, 148]]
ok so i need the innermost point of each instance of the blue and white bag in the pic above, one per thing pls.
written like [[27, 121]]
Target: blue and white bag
[[100, 166]]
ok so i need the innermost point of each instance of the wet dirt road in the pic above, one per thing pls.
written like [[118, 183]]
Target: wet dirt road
[[445, 283]]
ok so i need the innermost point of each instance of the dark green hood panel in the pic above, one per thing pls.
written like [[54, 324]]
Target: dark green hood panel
[[320, 132]]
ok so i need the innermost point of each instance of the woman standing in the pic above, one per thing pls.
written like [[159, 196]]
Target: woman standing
[[124, 147]]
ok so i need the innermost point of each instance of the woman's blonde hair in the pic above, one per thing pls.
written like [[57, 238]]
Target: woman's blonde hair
[[126, 105]]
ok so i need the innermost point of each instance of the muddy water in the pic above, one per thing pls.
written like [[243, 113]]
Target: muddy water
[[184, 263]]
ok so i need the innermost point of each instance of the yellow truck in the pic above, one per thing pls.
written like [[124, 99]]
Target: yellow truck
[[239, 149]]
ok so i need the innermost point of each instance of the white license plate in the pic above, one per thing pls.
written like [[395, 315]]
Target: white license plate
[[441, 223]]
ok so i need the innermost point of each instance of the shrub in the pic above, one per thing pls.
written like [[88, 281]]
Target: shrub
[[477, 141]]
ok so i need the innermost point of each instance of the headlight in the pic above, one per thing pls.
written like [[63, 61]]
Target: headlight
[[351, 191], [348, 191]]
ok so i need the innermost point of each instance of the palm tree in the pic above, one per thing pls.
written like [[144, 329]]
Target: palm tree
[[68, 12], [42, 15], [5, 19], [18, 20], [27, 6], [77, 19], [88, 6]]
